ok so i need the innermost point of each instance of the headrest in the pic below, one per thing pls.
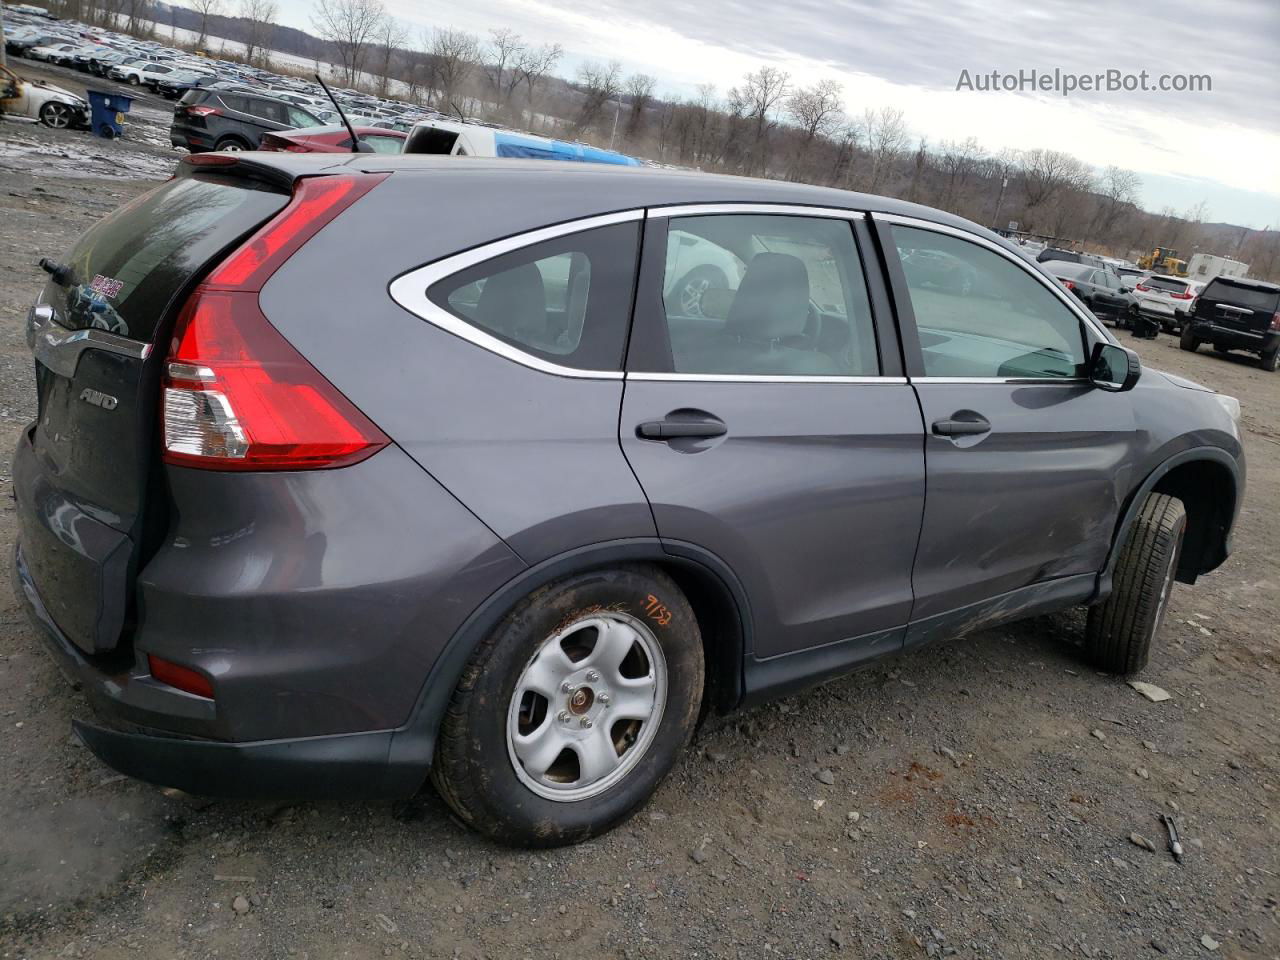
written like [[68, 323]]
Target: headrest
[[773, 299], [514, 303]]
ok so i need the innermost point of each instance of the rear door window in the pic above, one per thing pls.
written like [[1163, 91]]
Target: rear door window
[[566, 301], [1166, 285], [126, 268]]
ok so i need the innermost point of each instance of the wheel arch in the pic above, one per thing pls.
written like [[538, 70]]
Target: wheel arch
[[718, 599], [1207, 480]]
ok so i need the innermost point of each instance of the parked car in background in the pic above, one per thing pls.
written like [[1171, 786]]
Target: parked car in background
[[52, 106], [54, 53], [1130, 277], [332, 139], [1165, 299], [174, 85], [1100, 290], [135, 74], [1072, 256], [1233, 313], [217, 119], [406, 464]]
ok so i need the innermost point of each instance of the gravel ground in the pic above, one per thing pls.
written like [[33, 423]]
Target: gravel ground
[[975, 799]]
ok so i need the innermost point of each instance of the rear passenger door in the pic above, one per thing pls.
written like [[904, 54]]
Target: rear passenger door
[[768, 421], [1027, 461]]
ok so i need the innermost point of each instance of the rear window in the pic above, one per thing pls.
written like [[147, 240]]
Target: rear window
[[127, 268], [1242, 296], [1065, 269], [1167, 285], [565, 300]]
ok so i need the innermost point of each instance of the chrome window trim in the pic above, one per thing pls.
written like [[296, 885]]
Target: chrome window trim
[[1029, 381], [1056, 289], [60, 349], [777, 209], [409, 290], [757, 378]]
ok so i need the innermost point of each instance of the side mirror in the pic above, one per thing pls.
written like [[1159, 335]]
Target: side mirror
[[1114, 368]]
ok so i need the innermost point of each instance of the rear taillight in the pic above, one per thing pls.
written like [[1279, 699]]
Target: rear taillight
[[237, 395], [1181, 296], [295, 148], [1275, 322], [1143, 287], [204, 111], [1068, 284]]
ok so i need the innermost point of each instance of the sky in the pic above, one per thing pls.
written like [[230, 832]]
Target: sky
[[1220, 146]]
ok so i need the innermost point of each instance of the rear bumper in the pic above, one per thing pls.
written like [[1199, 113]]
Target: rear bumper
[[355, 765], [1233, 338]]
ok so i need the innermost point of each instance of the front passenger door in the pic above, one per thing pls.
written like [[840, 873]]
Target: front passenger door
[[1027, 462]]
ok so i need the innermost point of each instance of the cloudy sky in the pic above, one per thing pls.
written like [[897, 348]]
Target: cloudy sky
[[1222, 146]]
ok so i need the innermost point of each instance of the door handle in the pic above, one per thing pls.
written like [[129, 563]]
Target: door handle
[[971, 426], [672, 429]]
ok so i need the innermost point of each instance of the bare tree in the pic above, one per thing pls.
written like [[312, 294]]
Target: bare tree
[[534, 65], [351, 26], [759, 97], [919, 166], [598, 83], [391, 38], [816, 111], [1046, 173], [505, 50], [1118, 193], [454, 54], [205, 9], [958, 160], [640, 91], [886, 134], [261, 15]]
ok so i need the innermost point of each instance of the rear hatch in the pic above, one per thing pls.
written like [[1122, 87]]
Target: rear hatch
[[87, 470], [1239, 305]]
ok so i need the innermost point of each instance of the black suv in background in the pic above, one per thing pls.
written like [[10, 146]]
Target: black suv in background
[[1233, 313], [1072, 256], [210, 118]]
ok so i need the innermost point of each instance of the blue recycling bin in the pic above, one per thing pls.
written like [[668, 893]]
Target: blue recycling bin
[[106, 113]]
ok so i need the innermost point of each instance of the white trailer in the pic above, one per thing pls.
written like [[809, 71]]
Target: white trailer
[[1204, 267]]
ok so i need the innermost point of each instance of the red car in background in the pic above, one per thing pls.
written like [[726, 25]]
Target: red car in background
[[332, 139]]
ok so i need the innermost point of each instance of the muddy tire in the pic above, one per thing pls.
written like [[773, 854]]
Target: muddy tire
[[569, 715], [1187, 340], [1119, 631]]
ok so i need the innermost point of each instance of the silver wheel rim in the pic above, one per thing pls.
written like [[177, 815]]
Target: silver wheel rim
[[56, 115], [691, 297], [231, 147], [587, 707]]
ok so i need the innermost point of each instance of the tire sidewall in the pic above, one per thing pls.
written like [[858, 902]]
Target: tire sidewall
[[510, 810]]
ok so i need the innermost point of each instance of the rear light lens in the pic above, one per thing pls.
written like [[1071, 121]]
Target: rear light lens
[[1181, 296], [1275, 322], [1143, 287], [183, 678], [237, 395], [1068, 284], [295, 148], [204, 111]]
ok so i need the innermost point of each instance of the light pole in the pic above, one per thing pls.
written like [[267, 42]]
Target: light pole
[[616, 113], [995, 220]]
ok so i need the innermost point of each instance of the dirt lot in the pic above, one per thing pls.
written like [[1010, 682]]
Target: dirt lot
[[975, 799]]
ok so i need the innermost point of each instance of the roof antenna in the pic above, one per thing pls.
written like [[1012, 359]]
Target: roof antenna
[[355, 141]]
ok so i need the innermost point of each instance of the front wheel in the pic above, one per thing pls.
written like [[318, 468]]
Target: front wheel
[[1119, 631], [1188, 339], [572, 711], [56, 115]]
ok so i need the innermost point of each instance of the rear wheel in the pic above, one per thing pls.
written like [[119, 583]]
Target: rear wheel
[[573, 710], [133, 80], [1268, 360], [231, 144], [1188, 339], [1119, 631], [690, 289]]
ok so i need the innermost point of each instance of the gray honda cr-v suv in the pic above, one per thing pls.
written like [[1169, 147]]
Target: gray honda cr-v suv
[[350, 470]]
